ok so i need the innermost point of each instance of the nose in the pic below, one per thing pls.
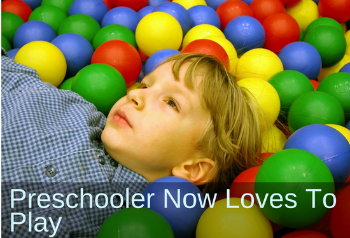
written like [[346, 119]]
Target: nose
[[136, 98]]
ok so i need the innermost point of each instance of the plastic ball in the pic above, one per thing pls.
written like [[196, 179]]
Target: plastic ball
[[289, 2], [136, 85], [183, 220], [273, 140], [123, 16], [328, 144], [314, 84], [93, 8], [345, 68], [77, 51], [17, 7], [245, 33], [67, 84], [315, 108], [145, 11], [135, 5], [33, 3], [340, 214], [62, 4], [201, 14], [157, 58], [280, 30], [135, 222], [46, 59], [230, 10], [221, 221], [9, 25], [5, 43], [258, 63], [190, 3], [100, 84], [177, 11], [294, 171], [50, 15], [201, 31], [244, 183], [157, 31], [12, 53], [304, 12], [302, 57], [155, 3], [343, 130], [338, 85], [33, 31], [122, 56], [114, 32], [338, 10], [214, 3], [329, 42], [324, 21], [208, 47], [305, 234], [289, 85], [333, 69], [80, 24], [264, 8], [267, 98]]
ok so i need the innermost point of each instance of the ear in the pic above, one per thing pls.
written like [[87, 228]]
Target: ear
[[195, 170]]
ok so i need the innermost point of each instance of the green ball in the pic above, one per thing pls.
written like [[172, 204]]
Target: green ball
[[290, 84], [51, 15], [80, 24], [61, 4], [67, 84], [329, 42], [114, 32], [135, 222], [315, 108], [5, 43], [301, 37], [324, 21], [338, 85], [293, 171], [9, 25], [100, 84]]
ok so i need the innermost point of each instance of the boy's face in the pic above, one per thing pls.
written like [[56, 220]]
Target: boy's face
[[156, 127]]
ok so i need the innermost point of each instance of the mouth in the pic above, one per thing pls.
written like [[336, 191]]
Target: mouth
[[121, 118]]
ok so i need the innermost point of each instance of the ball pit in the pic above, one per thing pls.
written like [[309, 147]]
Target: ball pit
[[343, 130], [304, 12], [62, 4], [93, 8], [264, 8], [273, 140], [339, 10], [324, 21], [157, 57], [50, 15], [122, 16], [9, 25], [201, 31], [145, 11], [18, 8], [201, 14], [333, 69], [190, 3], [134, 5]]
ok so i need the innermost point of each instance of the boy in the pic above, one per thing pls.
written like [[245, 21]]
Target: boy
[[189, 119]]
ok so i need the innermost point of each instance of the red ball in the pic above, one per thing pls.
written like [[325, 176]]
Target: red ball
[[17, 7], [264, 8], [339, 10], [340, 215], [122, 56], [208, 47], [244, 183], [136, 5], [231, 9], [281, 29], [314, 83], [305, 234], [290, 2], [108, 4]]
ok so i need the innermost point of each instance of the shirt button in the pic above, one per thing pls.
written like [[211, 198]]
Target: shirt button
[[50, 171], [101, 160]]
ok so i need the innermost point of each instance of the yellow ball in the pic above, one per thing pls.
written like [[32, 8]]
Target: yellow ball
[[190, 3], [132, 87], [46, 59], [334, 69], [347, 37], [345, 131], [258, 63], [267, 98], [229, 48], [201, 31], [157, 31], [304, 12], [273, 140], [223, 222], [347, 52]]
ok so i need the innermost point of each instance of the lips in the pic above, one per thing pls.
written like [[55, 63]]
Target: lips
[[121, 117]]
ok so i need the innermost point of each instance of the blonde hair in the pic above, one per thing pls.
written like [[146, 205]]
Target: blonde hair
[[232, 137]]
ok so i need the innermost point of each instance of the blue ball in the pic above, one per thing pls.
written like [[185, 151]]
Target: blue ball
[[33, 3], [245, 33], [157, 57], [77, 51], [33, 31], [145, 11], [303, 57], [328, 144], [179, 12], [12, 53], [123, 16], [93, 8], [201, 14], [182, 220], [155, 2], [214, 3], [345, 68]]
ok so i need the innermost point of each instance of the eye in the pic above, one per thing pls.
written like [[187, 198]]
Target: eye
[[172, 103], [142, 85]]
